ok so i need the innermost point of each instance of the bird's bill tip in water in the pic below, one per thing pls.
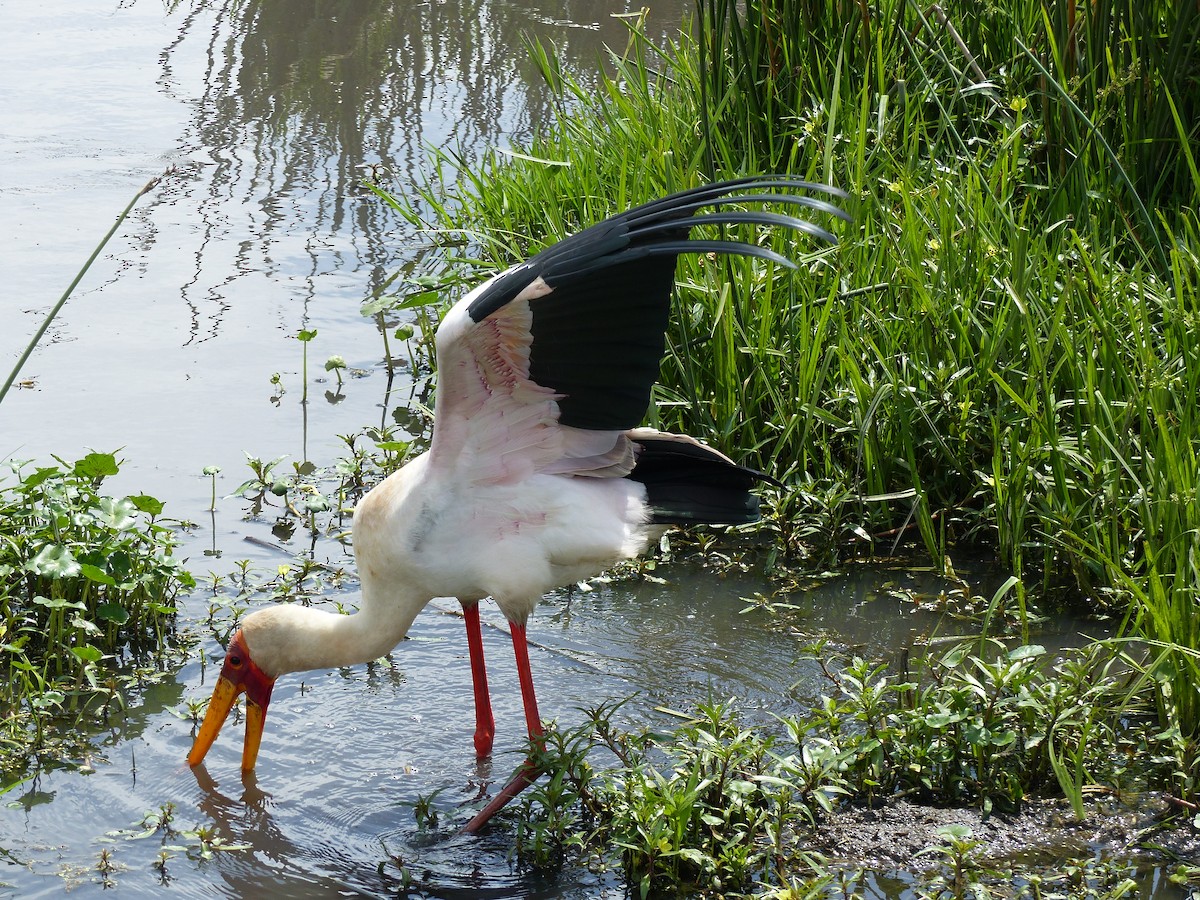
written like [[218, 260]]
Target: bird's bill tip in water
[[238, 674]]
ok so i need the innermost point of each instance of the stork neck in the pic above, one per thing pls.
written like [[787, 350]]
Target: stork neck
[[361, 637], [292, 638]]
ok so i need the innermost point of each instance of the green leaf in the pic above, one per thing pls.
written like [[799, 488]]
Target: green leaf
[[306, 335], [1026, 651], [96, 574], [120, 565], [88, 653], [54, 561], [1003, 738], [954, 832], [112, 612], [941, 719], [145, 503], [96, 465], [316, 503], [375, 306], [39, 476], [116, 514], [58, 603], [47, 700], [416, 301]]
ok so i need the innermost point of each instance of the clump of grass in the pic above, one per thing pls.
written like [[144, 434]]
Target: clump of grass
[[88, 584], [1003, 350]]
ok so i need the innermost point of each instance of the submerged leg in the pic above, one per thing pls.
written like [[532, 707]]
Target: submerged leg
[[485, 724], [528, 772]]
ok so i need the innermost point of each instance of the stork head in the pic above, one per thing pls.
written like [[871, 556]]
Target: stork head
[[239, 673]]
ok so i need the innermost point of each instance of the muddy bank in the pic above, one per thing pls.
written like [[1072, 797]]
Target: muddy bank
[[887, 838]]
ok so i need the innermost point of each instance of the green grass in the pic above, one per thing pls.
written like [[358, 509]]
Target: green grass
[[1004, 350]]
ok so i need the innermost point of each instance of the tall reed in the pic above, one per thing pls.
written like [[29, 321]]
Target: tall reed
[[1001, 351]]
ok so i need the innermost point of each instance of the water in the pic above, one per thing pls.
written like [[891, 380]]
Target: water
[[167, 349]]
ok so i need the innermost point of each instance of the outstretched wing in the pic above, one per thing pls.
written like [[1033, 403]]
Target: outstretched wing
[[545, 366]]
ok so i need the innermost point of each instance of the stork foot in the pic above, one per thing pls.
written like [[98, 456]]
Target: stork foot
[[483, 740], [525, 776]]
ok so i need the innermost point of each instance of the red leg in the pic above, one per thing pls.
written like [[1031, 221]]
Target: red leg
[[528, 772], [533, 721], [485, 725]]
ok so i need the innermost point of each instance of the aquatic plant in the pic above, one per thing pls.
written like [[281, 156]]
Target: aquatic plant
[[88, 584], [1005, 348], [716, 806], [705, 809], [323, 498], [962, 874], [304, 336], [57, 308], [981, 723]]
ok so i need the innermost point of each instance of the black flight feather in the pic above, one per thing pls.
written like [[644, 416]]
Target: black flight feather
[[690, 484], [598, 336]]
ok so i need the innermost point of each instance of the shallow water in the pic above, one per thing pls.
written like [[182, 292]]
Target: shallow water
[[166, 351]]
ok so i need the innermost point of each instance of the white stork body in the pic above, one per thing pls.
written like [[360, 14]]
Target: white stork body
[[512, 542], [536, 475]]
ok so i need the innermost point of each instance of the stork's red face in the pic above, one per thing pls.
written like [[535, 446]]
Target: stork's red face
[[238, 674]]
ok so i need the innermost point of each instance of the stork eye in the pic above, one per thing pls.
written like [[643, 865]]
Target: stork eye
[[235, 660]]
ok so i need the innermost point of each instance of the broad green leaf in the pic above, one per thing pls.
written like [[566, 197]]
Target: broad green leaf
[[88, 653], [47, 700], [58, 603], [941, 719], [375, 306], [116, 514], [1003, 738], [316, 503], [119, 566], [85, 625], [97, 465], [147, 504], [54, 561], [954, 832], [95, 573], [1026, 651], [39, 476], [112, 612]]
